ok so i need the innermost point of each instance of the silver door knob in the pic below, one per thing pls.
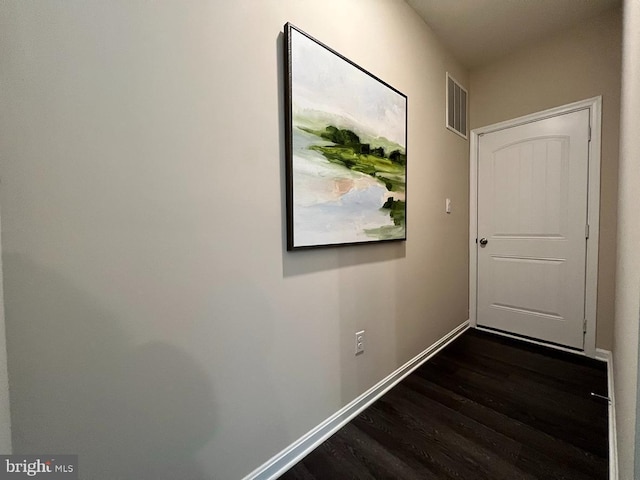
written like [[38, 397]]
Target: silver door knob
[[483, 242]]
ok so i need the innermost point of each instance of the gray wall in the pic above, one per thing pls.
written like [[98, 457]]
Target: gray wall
[[628, 272], [156, 326]]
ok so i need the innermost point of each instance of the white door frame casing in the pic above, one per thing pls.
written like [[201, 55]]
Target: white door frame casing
[[593, 208]]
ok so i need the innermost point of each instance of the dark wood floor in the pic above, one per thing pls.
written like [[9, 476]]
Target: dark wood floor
[[486, 407]]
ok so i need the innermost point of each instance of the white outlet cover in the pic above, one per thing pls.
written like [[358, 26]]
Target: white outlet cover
[[360, 342]]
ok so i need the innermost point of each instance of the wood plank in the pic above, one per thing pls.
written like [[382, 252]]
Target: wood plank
[[486, 407]]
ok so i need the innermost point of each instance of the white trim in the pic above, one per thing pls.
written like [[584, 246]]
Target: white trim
[[606, 356], [295, 452], [473, 229], [593, 209], [593, 217], [603, 356]]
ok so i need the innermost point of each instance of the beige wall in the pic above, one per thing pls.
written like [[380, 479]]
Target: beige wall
[[156, 326], [625, 348], [580, 63]]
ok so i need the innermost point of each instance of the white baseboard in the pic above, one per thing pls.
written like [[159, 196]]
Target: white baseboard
[[606, 356], [603, 355], [295, 452]]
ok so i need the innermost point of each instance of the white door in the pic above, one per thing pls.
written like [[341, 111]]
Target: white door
[[532, 228]]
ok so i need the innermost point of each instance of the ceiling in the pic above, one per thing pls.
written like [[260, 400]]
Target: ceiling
[[478, 31]]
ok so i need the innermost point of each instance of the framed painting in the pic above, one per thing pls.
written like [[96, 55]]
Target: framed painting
[[346, 149]]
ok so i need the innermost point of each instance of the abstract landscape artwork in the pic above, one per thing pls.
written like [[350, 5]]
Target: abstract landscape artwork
[[346, 139]]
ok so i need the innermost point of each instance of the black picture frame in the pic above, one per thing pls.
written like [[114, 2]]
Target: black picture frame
[[346, 149]]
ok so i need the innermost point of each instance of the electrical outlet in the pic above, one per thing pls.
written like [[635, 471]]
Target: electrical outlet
[[359, 342]]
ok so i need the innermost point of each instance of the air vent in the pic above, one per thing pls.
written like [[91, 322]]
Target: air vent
[[456, 107]]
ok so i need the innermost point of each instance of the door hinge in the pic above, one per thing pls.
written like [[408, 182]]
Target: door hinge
[[589, 132], [586, 231], [584, 326]]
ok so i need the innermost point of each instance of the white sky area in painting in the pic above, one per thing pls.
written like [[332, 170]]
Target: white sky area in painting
[[324, 82]]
